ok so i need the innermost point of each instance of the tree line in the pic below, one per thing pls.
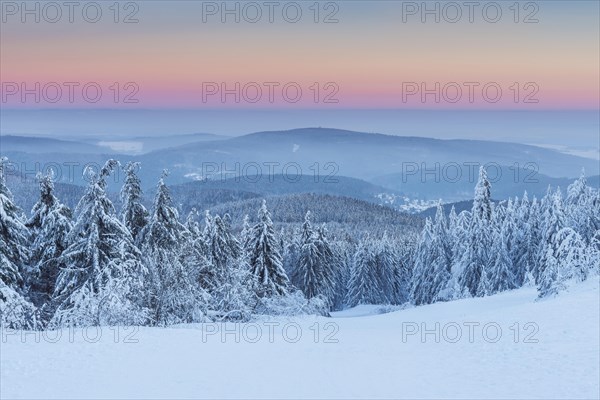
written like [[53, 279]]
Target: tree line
[[97, 265]]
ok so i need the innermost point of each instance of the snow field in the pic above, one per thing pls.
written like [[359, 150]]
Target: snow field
[[410, 353]]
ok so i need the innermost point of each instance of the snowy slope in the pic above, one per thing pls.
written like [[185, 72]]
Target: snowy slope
[[371, 358]]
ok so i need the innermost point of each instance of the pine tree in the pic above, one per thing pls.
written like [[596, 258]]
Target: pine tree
[[483, 286], [246, 233], [229, 278], [50, 224], [533, 238], [509, 249], [391, 271], [550, 281], [364, 287], [327, 265], [482, 204], [579, 208], [15, 310], [133, 214], [477, 258], [501, 276], [195, 249], [192, 225], [458, 229], [520, 240], [420, 288], [594, 254], [102, 274], [343, 252], [265, 262], [315, 272], [306, 274], [553, 222], [563, 251], [176, 296], [433, 263], [223, 246], [14, 251], [291, 254], [571, 255]]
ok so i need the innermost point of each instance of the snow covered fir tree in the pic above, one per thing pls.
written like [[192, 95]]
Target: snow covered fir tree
[[103, 264]]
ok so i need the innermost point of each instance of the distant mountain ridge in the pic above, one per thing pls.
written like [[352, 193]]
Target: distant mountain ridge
[[367, 155], [384, 160]]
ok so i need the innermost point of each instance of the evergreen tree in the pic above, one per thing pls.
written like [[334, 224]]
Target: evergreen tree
[[195, 250], [520, 240], [229, 279], [50, 224], [579, 208], [176, 296], [482, 204], [433, 263], [391, 272], [291, 256], [550, 281], [15, 310], [509, 249], [477, 260], [553, 222], [102, 274], [265, 262], [502, 277], [133, 214], [533, 238], [306, 275], [14, 250], [484, 285], [343, 253], [246, 233], [364, 287], [571, 255], [192, 225], [594, 254], [315, 272], [458, 235]]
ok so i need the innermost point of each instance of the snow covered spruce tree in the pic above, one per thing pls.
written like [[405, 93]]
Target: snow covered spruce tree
[[269, 277], [518, 244], [133, 214], [175, 293], [477, 259], [432, 270], [194, 248], [224, 249], [552, 221], [501, 275], [594, 254], [512, 233], [364, 287], [551, 280], [581, 208], [572, 255], [328, 264], [227, 276], [533, 238], [245, 233], [15, 310], [343, 251], [563, 252], [315, 272], [100, 281], [391, 271], [50, 223]]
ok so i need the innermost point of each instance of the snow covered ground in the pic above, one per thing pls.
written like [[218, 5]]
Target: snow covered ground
[[546, 349]]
